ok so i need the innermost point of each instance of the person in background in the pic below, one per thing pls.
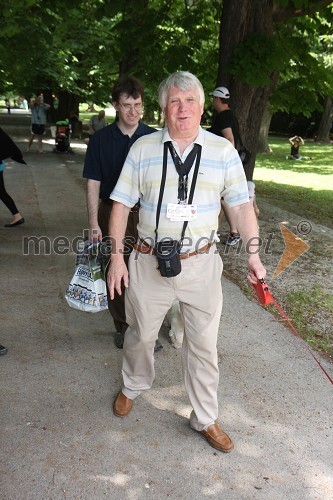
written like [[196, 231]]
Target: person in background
[[225, 125], [8, 149], [106, 153], [295, 142], [7, 104], [23, 103], [38, 121], [185, 150], [96, 123], [8, 201], [73, 118]]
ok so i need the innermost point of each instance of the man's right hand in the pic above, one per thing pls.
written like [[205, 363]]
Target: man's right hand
[[116, 274]]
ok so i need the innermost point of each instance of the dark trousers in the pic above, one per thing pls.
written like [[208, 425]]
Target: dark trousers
[[117, 305], [4, 196]]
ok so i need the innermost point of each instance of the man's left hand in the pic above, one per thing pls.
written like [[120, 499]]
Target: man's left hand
[[257, 270]]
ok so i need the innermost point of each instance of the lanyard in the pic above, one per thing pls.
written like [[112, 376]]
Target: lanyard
[[183, 169], [163, 179]]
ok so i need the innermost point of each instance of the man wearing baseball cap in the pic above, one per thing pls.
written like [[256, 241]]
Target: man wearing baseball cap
[[220, 92], [225, 125]]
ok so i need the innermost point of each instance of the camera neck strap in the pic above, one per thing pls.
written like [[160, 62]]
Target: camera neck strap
[[196, 152], [183, 169]]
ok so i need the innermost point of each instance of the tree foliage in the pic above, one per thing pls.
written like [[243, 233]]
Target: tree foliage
[[269, 36], [260, 49], [82, 47], [308, 77]]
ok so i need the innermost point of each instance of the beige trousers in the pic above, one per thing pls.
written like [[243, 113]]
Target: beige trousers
[[148, 298]]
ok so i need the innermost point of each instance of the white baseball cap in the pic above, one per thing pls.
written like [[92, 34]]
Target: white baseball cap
[[222, 92]]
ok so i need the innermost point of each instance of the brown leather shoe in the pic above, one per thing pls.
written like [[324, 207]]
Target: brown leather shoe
[[217, 438], [122, 405]]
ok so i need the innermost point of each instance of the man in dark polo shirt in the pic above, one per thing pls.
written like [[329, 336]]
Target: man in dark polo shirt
[[104, 160]]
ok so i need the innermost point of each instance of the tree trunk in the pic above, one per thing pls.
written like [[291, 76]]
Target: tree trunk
[[326, 121], [149, 115], [263, 146], [131, 51], [241, 19], [129, 62], [67, 103]]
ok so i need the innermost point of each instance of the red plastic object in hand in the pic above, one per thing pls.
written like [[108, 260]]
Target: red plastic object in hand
[[263, 293]]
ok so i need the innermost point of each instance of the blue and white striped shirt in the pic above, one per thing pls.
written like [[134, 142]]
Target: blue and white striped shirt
[[221, 174]]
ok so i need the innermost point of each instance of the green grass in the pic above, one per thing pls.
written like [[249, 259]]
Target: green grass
[[304, 307], [303, 187], [85, 116]]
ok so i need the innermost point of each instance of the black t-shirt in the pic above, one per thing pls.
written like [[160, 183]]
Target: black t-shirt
[[106, 154], [226, 119], [294, 151]]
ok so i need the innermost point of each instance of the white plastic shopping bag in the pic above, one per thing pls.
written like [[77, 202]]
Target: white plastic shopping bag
[[87, 289]]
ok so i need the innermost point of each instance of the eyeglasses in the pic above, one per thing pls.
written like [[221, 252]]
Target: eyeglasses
[[128, 107]]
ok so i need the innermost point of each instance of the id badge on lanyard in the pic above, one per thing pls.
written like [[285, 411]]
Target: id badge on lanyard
[[181, 212]]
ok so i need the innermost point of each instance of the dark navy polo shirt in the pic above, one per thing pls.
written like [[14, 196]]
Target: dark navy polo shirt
[[106, 154]]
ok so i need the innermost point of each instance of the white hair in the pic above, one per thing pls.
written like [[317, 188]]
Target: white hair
[[182, 80]]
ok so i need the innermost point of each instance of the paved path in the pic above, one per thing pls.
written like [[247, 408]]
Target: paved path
[[59, 438]]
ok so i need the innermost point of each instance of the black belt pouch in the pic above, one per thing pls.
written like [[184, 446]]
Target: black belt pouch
[[167, 253]]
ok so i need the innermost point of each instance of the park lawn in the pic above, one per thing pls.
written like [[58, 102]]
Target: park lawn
[[86, 116], [303, 187]]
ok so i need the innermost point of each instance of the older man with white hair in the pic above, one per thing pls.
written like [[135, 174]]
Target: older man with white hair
[[179, 175]]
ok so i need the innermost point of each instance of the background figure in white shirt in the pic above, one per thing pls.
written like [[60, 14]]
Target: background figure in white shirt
[[96, 123], [38, 121]]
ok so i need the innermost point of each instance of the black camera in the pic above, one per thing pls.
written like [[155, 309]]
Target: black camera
[[167, 253]]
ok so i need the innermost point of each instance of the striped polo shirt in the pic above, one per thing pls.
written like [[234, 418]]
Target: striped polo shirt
[[221, 174]]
